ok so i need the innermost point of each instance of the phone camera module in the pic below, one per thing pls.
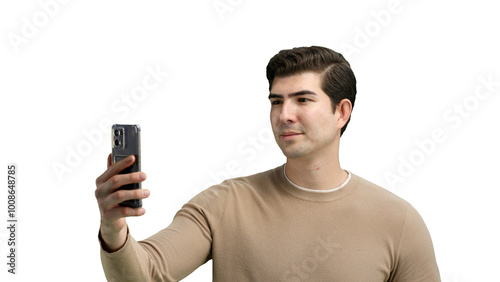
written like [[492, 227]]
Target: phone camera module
[[118, 137]]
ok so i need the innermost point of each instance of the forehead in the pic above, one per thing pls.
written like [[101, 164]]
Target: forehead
[[297, 82]]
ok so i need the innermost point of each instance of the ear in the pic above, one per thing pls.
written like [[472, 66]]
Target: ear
[[343, 110]]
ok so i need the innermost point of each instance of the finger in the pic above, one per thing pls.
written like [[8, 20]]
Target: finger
[[121, 212], [115, 169], [113, 200], [109, 161], [116, 181]]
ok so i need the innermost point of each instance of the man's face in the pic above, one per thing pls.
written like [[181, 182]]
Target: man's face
[[302, 117]]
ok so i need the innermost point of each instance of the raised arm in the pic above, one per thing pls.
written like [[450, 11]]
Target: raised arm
[[169, 255]]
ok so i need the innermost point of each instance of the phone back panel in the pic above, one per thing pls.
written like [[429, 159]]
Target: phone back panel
[[126, 141]]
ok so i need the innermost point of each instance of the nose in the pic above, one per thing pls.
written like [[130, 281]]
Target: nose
[[287, 114]]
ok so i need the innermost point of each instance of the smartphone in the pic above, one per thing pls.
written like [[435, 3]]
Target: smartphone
[[126, 141]]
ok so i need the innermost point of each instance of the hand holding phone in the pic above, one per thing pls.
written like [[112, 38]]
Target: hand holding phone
[[113, 230]]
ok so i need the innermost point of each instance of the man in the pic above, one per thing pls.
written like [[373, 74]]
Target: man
[[305, 220]]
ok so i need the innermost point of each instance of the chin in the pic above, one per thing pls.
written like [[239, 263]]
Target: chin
[[294, 154]]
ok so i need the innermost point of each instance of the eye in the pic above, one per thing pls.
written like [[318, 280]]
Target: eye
[[275, 102], [303, 100]]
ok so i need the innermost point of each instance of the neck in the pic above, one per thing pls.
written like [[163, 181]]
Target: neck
[[319, 174]]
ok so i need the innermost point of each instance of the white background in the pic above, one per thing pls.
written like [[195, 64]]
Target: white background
[[66, 66]]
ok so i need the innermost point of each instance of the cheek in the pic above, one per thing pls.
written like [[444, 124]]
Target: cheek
[[319, 125], [272, 116], [308, 119]]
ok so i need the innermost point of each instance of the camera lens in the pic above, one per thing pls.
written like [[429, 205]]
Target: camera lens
[[117, 142]]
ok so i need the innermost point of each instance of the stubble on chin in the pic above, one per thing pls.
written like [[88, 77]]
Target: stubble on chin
[[292, 150]]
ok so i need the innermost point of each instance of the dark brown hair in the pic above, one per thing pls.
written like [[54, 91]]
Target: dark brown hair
[[337, 79]]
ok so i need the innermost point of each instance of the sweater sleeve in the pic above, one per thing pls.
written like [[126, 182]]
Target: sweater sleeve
[[415, 258], [174, 252]]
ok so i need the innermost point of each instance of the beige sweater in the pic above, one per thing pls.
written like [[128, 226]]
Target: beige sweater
[[263, 228]]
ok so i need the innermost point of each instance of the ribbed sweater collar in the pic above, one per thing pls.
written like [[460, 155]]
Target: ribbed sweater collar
[[291, 189]]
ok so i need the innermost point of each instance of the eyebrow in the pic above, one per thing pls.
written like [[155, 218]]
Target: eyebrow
[[294, 94]]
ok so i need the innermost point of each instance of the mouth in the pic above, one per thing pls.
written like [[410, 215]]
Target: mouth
[[289, 135]]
